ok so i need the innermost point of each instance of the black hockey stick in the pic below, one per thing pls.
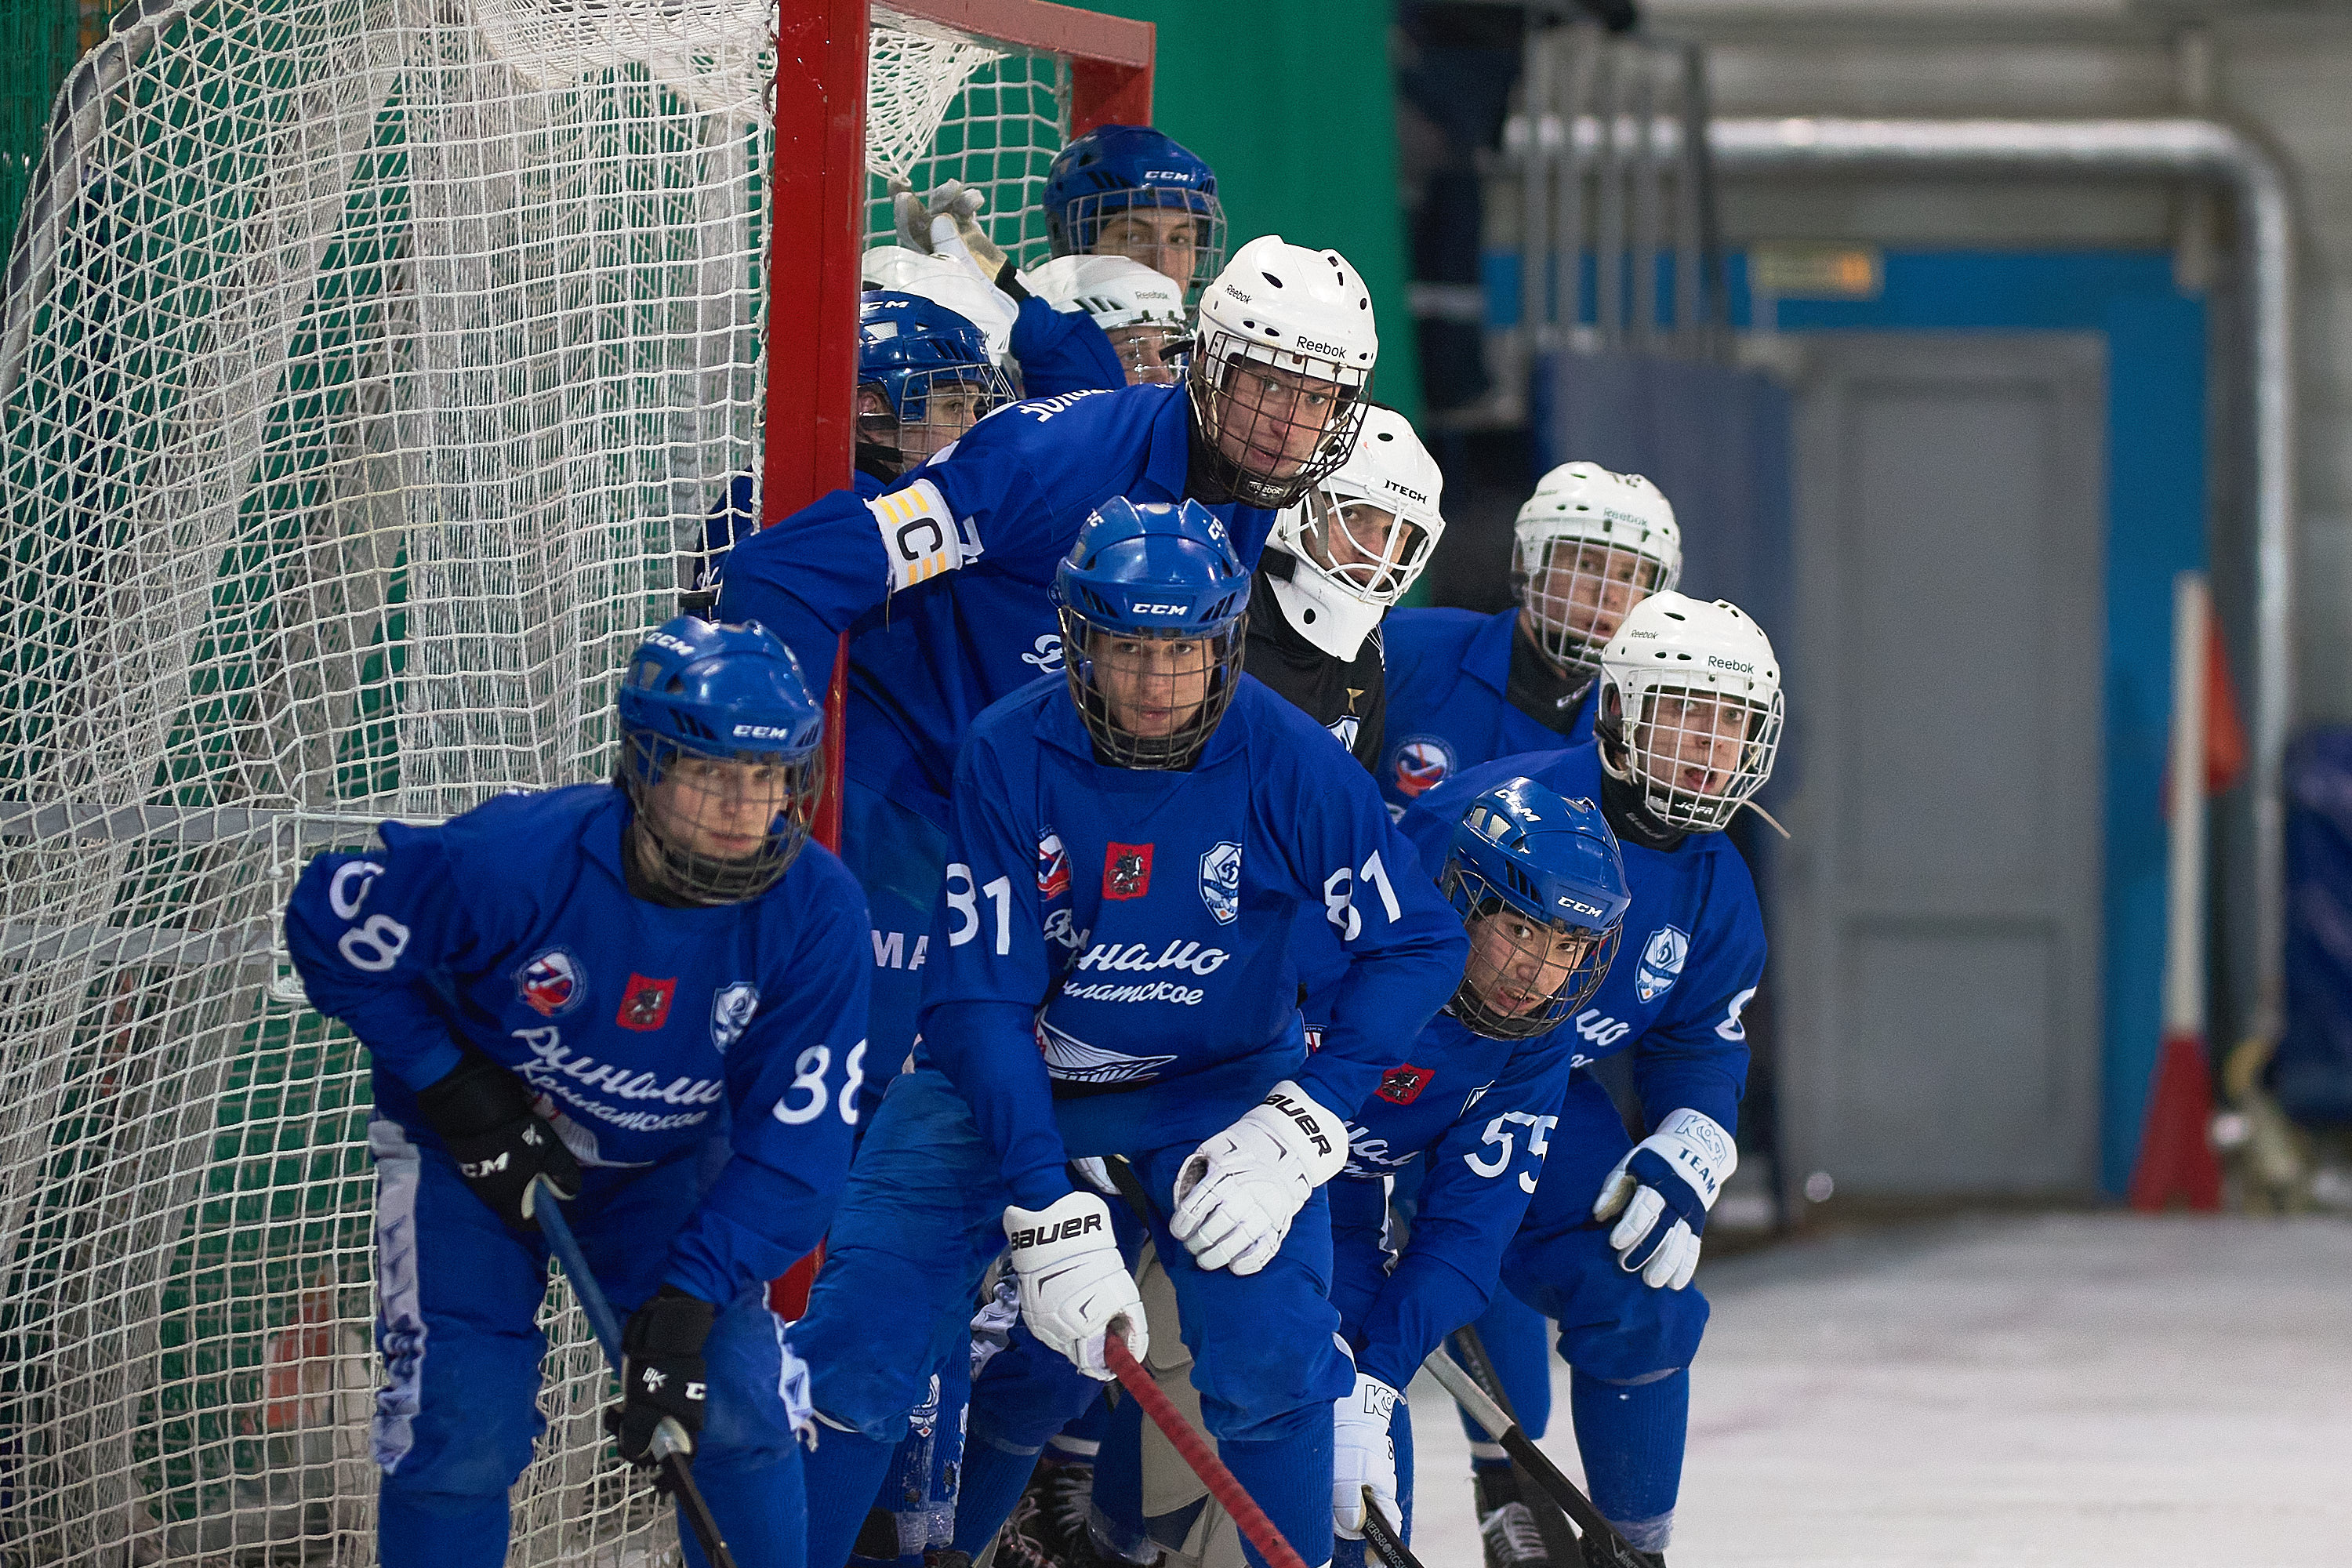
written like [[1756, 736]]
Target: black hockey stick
[[1563, 1492], [1386, 1544], [670, 1445]]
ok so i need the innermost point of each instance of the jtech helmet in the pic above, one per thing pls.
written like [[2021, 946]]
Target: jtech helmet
[[1348, 565]]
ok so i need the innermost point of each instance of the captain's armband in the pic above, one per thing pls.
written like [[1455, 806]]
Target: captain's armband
[[920, 534]]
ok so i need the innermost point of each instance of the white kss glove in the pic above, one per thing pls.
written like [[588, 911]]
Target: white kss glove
[[1237, 1195], [1073, 1284], [1665, 1185], [958, 207], [1362, 1455]]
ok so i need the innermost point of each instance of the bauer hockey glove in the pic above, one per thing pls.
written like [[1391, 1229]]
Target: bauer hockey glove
[[503, 1147], [662, 1375], [1363, 1454], [1073, 1284], [1237, 1195], [1665, 1185]]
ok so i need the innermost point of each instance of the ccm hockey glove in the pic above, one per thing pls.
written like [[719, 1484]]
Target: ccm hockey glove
[[502, 1145], [662, 1375], [1074, 1283], [1363, 1454], [1665, 1185], [1237, 1195]]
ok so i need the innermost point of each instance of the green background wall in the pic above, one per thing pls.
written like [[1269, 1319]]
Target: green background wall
[[1293, 103], [37, 47]]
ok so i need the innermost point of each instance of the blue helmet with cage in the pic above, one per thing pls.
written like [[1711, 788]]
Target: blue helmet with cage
[[1540, 883], [909, 348], [720, 744], [1154, 605], [1115, 169]]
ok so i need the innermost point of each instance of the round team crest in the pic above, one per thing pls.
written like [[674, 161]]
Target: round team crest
[[1421, 762], [1220, 882], [1662, 963], [551, 985]]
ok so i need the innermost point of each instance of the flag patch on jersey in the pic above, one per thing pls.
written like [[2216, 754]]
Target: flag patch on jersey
[[1402, 1083], [645, 1005], [1220, 882], [551, 985], [1126, 870], [732, 1007], [1661, 965], [1053, 865], [1421, 763]]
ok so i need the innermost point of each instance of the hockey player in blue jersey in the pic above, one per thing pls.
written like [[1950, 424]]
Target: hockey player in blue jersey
[[1541, 888], [944, 580], [1465, 689], [1690, 712], [631, 994], [1128, 846]]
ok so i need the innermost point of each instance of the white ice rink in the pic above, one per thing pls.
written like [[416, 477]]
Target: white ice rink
[[2075, 1389]]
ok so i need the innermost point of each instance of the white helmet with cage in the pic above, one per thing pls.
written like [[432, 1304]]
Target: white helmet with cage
[[1280, 369], [1690, 709], [1141, 311], [1588, 545], [943, 283], [1360, 538]]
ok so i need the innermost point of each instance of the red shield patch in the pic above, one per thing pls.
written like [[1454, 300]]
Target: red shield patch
[[1126, 870], [1402, 1083], [644, 1004]]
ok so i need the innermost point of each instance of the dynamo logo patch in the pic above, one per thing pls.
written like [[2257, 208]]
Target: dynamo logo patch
[[1662, 963], [1220, 882], [732, 1007]]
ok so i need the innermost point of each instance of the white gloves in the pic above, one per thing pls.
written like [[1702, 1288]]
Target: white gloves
[[1073, 1284], [946, 223], [1364, 1456], [1237, 1195], [1665, 1185]]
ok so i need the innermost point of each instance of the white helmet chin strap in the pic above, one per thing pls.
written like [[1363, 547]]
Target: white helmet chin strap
[[1329, 620]]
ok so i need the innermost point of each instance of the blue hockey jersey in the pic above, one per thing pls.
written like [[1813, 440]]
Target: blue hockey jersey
[[1691, 957], [1482, 1111], [646, 1030], [1449, 676], [1110, 971], [944, 580], [1061, 350]]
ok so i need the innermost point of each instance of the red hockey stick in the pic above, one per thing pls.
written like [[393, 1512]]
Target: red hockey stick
[[1200, 1456]]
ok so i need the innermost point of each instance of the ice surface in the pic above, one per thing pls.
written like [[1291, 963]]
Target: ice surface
[[2068, 1389]]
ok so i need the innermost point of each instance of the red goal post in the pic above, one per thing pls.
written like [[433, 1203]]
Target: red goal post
[[821, 184]]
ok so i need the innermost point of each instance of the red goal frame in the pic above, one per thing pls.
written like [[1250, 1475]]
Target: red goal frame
[[820, 202]]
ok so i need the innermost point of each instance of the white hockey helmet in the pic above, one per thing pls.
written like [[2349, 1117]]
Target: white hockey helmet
[[1360, 538], [1690, 709], [1588, 545], [944, 283], [1280, 369], [1141, 311]]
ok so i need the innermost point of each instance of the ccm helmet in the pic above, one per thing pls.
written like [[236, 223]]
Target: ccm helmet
[[1360, 539], [720, 743], [1141, 311], [1690, 709], [1114, 190], [931, 370], [1538, 881], [1154, 604], [1280, 369], [1588, 545]]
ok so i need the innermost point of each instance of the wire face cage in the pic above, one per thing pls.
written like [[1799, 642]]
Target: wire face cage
[[366, 367]]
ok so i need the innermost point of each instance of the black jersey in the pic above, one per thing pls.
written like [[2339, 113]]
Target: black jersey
[[1350, 697]]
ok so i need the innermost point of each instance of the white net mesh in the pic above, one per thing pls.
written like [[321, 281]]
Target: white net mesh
[[365, 365]]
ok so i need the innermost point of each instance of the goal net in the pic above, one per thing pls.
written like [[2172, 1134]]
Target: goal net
[[367, 369]]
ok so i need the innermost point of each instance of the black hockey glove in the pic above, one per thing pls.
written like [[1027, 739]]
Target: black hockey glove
[[483, 1112], [661, 1372]]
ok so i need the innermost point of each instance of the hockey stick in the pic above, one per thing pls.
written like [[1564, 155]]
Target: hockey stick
[[1565, 1493], [1386, 1543], [670, 1445], [1561, 1539], [1221, 1485]]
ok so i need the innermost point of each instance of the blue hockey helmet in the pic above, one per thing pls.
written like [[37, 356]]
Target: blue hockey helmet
[[1116, 169], [720, 744], [911, 349], [1539, 880], [1154, 604]]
